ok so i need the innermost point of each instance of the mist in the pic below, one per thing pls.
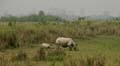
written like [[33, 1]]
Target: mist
[[76, 7]]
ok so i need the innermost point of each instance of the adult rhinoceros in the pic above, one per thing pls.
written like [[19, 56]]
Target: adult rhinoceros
[[66, 42]]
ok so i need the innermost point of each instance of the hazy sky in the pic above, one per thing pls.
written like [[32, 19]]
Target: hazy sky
[[91, 7]]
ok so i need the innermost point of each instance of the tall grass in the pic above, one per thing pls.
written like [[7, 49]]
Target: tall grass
[[86, 61], [97, 51], [49, 55], [23, 34], [8, 39]]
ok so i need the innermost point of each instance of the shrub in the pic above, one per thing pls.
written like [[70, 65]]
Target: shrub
[[10, 24]]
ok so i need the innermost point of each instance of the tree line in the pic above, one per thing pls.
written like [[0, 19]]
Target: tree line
[[40, 17]]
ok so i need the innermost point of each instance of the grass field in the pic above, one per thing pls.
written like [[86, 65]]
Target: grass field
[[99, 44], [105, 46]]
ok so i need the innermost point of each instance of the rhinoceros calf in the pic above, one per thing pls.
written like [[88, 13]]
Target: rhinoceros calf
[[66, 42], [45, 45]]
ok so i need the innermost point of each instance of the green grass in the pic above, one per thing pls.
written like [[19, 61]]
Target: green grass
[[106, 46], [94, 39]]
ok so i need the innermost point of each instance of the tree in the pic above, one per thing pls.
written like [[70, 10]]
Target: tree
[[81, 18], [41, 13]]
